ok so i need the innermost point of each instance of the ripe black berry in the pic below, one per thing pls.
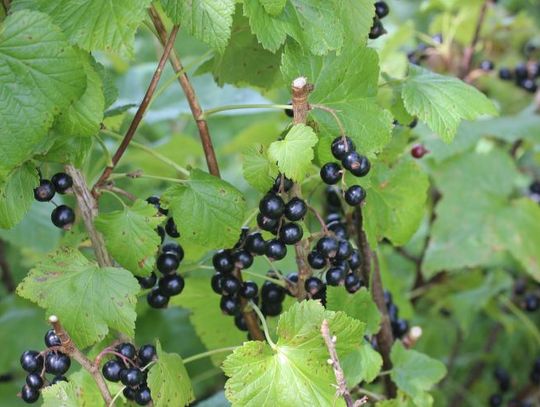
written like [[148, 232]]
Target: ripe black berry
[[275, 249], [127, 350], [377, 30], [531, 302], [393, 312], [129, 393], [521, 72], [352, 283], [355, 260], [216, 283], [335, 276], [230, 285], [148, 281], [156, 299], [266, 223], [313, 285], [529, 85], [332, 198], [63, 217], [223, 261], [51, 339], [45, 191], [146, 354], [487, 65], [289, 112], [170, 228], [255, 243], [171, 284], [295, 209], [271, 206], [143, 396], [339, 229], [272, 309], [505, 74], [316, 260], [327, 246], [400, 327], [167, 263], [287, 184], [354, 195], [131, 377], [242, 259], [31, 361], [249, 290], [240, 322], [291, 233], [331, 173], [341, 146], [34, 380], [272, 293], [229, 305], [29, 394], [62, 182], [57, 363], [357, 164], [344, 250], [381, 9], [418, 151], [534, 188], [111, 370]]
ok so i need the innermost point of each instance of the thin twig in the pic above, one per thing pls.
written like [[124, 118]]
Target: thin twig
[[140, 112], [7, 277], [333, 112], [469, 51]]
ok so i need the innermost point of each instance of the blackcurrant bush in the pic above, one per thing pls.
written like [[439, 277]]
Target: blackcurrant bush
[[143, 396], [354, 195], [295, 209], [62, 182], [327, 246], [51, 339], [229, 305], [156, 299], [171, 284], [268, 224], [313, 285], [146, 354], [487, 65], [381, 9], [287, 184], [127, 350], [57, 363], [531, 302], [352, 283], [291, 233], [230, 285], [34, 380], [167, 262], [240, 322], [29, 394], [170, 228], [355, 260], [272, 206], [223, 261], [331, 173], [31, 361], [505, 74], [272, 309], [62, 217], [418, 151], [341, 146], [131, 377], [344, 250], [316, 260], [129, 393], [272, 293], [377, 30], [249, 290], [335, 276], [242, 259], [45, 191], [111, 370], [275, 249], [357, 164], [148, 281], [216, 282]]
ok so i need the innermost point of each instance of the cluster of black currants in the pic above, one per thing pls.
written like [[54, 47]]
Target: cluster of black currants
[[381, 11], [170, 227], [525, 75], [36, 363], [530, 300], [62, 216], [129, 368], [343, 149], [400, 326], [504, 384]]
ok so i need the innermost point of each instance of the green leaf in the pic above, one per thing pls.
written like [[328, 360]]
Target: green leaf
[[442, 101], [40, 76], [362, 364], [415, 373], [295, 372], [130, 236], [17, 195], [258, 170], [89, 300], [294, 153], [94, 24], [169, 381], [347, 83], [207, 20], [395, 203], [273, 7], [216, 210], [359, 306]]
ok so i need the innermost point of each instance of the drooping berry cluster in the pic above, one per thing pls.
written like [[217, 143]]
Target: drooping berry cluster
[[130, 368], [343, 149], [399, 326], [37, 364], [504, 384], [170, 227], [62, 216], [525, 75], [381, 11]]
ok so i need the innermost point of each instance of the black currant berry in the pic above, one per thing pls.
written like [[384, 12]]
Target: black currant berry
[[31, 361], [332, 218], [230, 285], [531, 302], [171, 284], [342, 264], [143, 396], [249, 290], [316, 260], [295, 209], [240, 322], [287, 184], [216, 283], [229, 305], [377, 30], [57, 363], [344, 250], [170, 228], [331, 173], [167, 263], [291, 233], [29, 394], [521, 72], [34, 380], [393, 312], [355, 260], [272, 206], [352, 283], [129, 393], [111, 370], [354, 195], [127, 350], [333, 198], [223, 261], [146, 354], [266, 223], [529, 85], [63, 217], [357, 164], [505, 74], [487, 65], [387, 297], [153, 200], [272, 309], [242, 259], [381, 9], [313, 285], [51, 339], [255, 243], [62, 182], [45, 191], [275, 249], [534, 188], [400, 327], [327, 246], [289, 112], [341, 146], [335, 276], [148, 281], [418, 151], [131, 377], [156, 299], [272, 293]]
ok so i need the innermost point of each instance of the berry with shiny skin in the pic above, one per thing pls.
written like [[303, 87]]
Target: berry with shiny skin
[[63, 217], [129, 393], [377, 30], [272, 293], [57, 363], [148, 281], [272, 206], [487, 65], [354, 195], [531, 302], [216, 282], [344, 250], [313, 285], [34, 380], [171, 284], [266, 223], [127, 350], [230, 285], [170, 228], [51, 339], [332, 197], [272, 309], [287, 184], [316, 260], [331, 173], [156, 299], [357, 164], [62, 182], [223, 261], [291, 233], [111, 370], [352, 283], [240, 322], [295, 209], [131, 377], [45, 191], [143, 396], [418, 151], [355, 260], [249, 290], [229, 305], [174, 248], [335, 276], [146, 354], [327, 246], [341, 146], [255, 243], [29, 394], [505, 74], [339, 229], [381, 9], [31, 361], [167, 262], [275, 249], [242, 259]]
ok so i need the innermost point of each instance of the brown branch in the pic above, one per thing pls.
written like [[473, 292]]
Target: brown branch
[[140, 112], [363, 245], [249, 316], [191, 97], [70, 349], [88, 208], [7, 277], [469, 51]]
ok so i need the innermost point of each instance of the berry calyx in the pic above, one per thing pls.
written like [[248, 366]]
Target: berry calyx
[[255, 243], [313, 285], [272, 206], [45, 191], [156, 299], [295, 209], [167, 263], [171, 284], [291, 233], [331, 173], [418, 151], [223, 261], [63, 217], [31, 361], [275, 249], [62, 182], [111, 370], [354, 195], [148, 281], [341, 146]]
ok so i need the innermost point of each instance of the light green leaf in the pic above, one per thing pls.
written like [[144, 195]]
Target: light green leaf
[[169, 381], [415, 373], [442, 101], [89, 300], [40, 76], [208, 210], [208, 20], [130, 236], [348, 84], [17, 195], [94, 24], [295, 153], [359, 306], [295, 372], [273, 7], [395, 203], [362, 364], [258, 170]]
